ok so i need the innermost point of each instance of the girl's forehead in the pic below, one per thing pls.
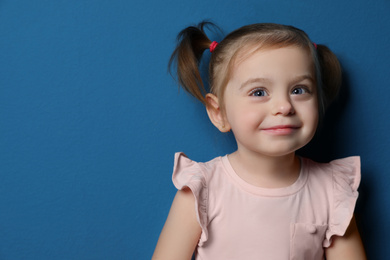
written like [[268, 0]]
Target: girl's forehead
[[293, 58]]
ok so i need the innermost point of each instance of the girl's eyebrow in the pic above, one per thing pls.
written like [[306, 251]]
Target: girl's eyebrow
[[303, 77], [254, 80], [268, 81]]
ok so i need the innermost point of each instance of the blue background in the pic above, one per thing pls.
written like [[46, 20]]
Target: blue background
[[90, 119]]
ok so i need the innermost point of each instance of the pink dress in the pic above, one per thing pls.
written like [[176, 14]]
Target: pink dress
[[244, 222]]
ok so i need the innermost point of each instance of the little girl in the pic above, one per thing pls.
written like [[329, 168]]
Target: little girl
[[269, 85]]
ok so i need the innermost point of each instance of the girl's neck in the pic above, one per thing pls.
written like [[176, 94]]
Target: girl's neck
[[266, 171]]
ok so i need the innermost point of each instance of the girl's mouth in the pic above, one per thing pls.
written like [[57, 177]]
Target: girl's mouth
[[281, 129]]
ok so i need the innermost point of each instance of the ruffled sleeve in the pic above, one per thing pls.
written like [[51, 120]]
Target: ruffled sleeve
[[346, 179], [187, 173]]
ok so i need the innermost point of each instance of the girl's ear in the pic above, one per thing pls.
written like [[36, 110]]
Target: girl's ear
[[215, 113]]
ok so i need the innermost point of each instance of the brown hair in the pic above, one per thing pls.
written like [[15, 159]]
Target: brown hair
[[193, 41]]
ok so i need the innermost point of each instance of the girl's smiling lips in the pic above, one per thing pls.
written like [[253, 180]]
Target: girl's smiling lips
[[280, 129]]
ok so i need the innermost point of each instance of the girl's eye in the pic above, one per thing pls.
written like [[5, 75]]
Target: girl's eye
[[299, 91], [259, 93]]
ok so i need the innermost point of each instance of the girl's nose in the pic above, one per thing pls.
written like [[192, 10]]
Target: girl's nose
[[283, 106]]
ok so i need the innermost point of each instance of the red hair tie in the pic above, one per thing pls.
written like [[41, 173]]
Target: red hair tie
[[213, 45], [315, 45]]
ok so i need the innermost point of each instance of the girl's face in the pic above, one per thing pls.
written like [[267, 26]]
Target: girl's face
[[271, 101]]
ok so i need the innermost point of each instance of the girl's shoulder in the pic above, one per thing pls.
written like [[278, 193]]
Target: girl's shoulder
[[192, 174], [344, 173]]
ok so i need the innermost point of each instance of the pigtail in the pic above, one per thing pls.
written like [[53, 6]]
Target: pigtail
[[331, 74], [192, 42]]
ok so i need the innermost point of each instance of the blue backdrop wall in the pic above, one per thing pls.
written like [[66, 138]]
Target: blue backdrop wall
[[90, 118]]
